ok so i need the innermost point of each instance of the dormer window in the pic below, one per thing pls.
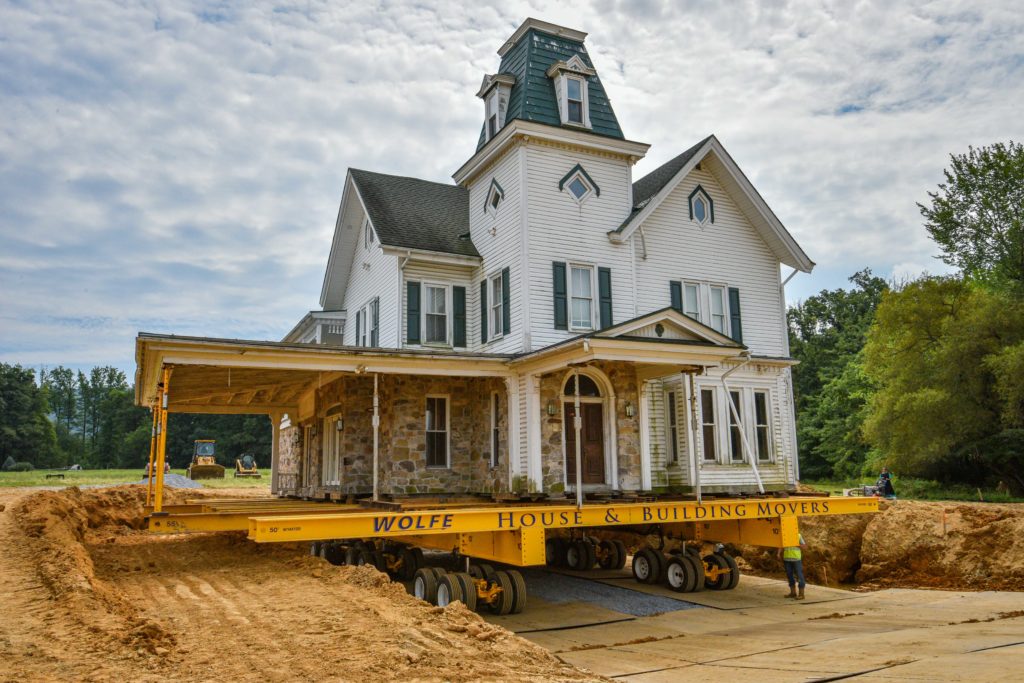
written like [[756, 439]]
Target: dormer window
[[494, 91], [702, 207], [574, 98], [492, 114]]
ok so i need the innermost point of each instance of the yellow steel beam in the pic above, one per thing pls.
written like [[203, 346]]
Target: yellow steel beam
[[211, 520], [772, 532], [280, 528]]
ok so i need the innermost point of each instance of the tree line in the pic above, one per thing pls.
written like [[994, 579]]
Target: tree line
[[59, 417], [926, 376]]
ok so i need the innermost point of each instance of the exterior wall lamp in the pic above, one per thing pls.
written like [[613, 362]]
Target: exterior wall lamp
[[339, 424], [552, 410], [630, 409]]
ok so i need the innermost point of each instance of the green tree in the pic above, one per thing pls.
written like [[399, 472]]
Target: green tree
[[977, 216], [943, 354], [826, 333], [26, 433]]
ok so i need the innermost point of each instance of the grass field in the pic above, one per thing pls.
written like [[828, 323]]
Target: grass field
[[93, 477]]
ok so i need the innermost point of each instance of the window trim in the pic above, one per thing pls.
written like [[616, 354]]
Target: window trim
[[714, 424], [724, 289], [447, 431], [697, 292], [569, 101], [364, 319], [736, 448], [332, 448], [424, 301], [593, 298], [704, 293], [495, 303], [769, 436], [367, 234]]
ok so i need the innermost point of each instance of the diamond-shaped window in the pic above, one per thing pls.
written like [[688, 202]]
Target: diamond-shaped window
[[578, 188]]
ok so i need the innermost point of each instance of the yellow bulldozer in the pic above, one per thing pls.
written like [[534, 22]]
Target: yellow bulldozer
[[204, 464]]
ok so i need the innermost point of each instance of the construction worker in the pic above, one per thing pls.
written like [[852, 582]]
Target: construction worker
[[793, 561]]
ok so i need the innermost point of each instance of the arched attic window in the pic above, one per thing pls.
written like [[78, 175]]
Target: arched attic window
[[702, 207]]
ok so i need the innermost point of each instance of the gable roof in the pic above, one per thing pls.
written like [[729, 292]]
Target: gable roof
[[532, 96], [653, 188], [416, 214]]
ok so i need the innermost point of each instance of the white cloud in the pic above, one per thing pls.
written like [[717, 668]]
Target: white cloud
[[176, 165]]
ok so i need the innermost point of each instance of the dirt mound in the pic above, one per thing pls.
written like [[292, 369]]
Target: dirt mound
[[112, 602], [912, 544]]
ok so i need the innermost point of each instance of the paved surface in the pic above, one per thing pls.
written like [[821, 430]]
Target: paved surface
[[754, 634]]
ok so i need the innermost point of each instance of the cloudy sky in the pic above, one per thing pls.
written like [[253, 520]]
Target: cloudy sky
[[176, 166]]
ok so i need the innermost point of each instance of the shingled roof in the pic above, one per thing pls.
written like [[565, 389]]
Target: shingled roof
[[651, 184], [416, 214], [532, 97]]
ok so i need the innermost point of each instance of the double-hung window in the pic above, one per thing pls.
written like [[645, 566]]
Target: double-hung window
[[437, 431], [735, 437], [673, 427], [367, 324], [691, 300], [435, 314], [762, 432], [574, 99], [582, 298], [492, 115], [718, 309], [497, 302], [709, 435]]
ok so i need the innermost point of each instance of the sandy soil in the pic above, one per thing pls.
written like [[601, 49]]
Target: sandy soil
[[88, 596]]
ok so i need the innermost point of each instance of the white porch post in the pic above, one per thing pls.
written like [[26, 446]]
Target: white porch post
[[577, 424], [275, 450], [694, 431], [534, 471], [376, 439], [645, 436], [512, 389]]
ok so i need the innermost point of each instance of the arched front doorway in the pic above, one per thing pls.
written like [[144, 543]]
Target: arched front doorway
[[593, 435]]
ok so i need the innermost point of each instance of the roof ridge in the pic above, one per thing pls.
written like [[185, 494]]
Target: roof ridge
[[673, 164], [405, 177]]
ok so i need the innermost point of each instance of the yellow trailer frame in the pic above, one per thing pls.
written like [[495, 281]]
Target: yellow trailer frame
[[509, 534]]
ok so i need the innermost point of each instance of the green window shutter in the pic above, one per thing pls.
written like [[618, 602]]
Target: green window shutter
[[604, 292], [412, 312], [561, 298], [676, 291], [506, 299], [734, 315], [374, 338], [358, 330], [459, 316], [483, 311]]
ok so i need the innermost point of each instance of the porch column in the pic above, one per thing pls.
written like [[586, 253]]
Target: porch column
[[275, 450], [645, 436], [512, 419], [577, 424], [697, 459], [376, 439], [534, 471]]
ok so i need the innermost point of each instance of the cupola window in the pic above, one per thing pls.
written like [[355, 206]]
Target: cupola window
[[571, 81], [574, 95]]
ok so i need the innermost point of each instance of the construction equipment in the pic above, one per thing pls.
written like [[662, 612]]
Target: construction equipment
[[204, 464], [246, 467]]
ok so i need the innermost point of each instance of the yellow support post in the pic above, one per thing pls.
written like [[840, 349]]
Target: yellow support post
[[152, 454], [161, 451]]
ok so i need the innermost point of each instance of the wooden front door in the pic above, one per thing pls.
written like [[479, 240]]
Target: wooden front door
[[592, 454]]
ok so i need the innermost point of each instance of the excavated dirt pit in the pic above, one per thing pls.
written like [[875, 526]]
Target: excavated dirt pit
[[89, 595]]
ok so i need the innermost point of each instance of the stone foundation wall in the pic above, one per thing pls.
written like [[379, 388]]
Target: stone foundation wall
[[289, 458], [622, 377]]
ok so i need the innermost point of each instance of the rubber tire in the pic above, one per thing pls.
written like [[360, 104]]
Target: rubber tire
[[449, 589], [314, 549], [468, 589], [352, 555], [335, 554], [518, 591], [734, 575], [698, 567], [591, 555], [611, 557], [475, 572], [646, 567], [680, 575], [576, 555], [379, 562], [426, 581], [506, 599], [438, 571], [409, 565], [723, 580], [552, 551], [622, 553], [488, 571]]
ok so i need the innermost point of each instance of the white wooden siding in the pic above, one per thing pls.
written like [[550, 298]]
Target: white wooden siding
[[497, 237], [560, 229], [372, 274], [730, 252]]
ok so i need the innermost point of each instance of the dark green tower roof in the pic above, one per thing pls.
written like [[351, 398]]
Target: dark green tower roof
[[532, 97]]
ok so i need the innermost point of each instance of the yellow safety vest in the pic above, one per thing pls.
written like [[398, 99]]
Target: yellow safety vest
[[794, 553]]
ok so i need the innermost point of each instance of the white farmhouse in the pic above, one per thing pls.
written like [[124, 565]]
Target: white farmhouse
[[464, 326]]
